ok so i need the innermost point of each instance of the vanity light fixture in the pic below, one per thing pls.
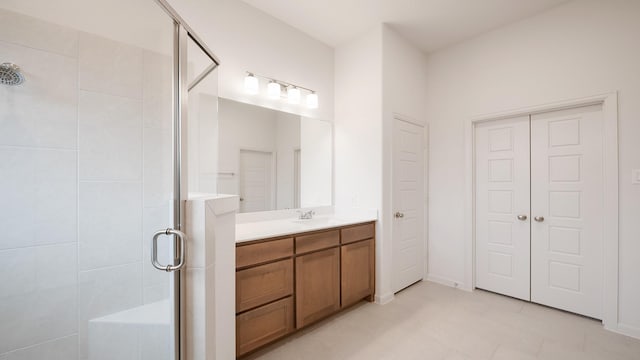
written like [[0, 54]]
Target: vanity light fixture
[[293, 95], [251, 85], [312, 100], [275, 90]]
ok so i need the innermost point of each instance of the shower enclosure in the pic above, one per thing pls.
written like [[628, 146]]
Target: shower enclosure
[[93, 111]]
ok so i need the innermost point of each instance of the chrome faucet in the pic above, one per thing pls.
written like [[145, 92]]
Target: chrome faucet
[[306, 215]]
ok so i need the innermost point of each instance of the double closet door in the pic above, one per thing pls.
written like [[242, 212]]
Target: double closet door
[[539, 208]]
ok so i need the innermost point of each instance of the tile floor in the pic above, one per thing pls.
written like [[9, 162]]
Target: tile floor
[[430, 321]]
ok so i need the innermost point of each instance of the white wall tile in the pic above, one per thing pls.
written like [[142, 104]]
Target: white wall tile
[[39, 295], [158, 167], [155, 343], [107, 341], [155, 219], [157, 90], [39, 198], [157, 292], [42, 111], [195, 308], [109, 67], [65, 348], [110, 224], [106, 291], [55, 191], [28, 31], [110, 137]]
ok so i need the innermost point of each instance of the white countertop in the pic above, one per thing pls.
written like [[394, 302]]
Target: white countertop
[[256, 230]]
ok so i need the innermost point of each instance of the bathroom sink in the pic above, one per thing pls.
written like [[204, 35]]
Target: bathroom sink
[[317, 221]]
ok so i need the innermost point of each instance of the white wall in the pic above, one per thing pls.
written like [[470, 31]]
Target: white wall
[[404, 91], [246, 39], [358, 135], [576, 50], [377, 76]]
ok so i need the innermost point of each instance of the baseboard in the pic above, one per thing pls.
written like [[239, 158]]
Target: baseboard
[[447, 282], [627, 330], [384, 299]]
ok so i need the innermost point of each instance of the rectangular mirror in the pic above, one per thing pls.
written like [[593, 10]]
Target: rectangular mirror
[[273, 160]]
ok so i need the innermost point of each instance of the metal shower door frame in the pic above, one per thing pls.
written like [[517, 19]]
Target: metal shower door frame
[[180, 92]]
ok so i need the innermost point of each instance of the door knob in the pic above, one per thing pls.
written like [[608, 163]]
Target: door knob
[[522, 217], [539, 218], [399, 215]]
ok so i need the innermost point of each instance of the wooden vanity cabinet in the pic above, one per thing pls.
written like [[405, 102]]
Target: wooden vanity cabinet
[[288, 283]]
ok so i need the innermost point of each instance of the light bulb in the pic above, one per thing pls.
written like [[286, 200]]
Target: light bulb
[[251, 85], [312, 101], [273, 90], [293, 95]]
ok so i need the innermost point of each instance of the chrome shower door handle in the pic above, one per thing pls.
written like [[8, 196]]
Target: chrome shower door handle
[[181, 241]]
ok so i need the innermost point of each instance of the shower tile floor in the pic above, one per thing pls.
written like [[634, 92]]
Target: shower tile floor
[[430, 321]]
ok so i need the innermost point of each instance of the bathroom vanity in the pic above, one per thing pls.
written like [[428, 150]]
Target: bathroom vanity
[[299, 274]]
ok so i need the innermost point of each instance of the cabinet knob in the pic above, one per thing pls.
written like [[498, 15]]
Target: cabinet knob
[[539, 218], [522, 217], [398, 215]]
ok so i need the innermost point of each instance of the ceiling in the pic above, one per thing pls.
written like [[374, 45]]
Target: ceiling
[[429, 24]]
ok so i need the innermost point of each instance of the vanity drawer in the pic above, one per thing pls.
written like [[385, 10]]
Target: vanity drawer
[[261, 284], [357, 233], [317, 241], [252, 254], [263, 325]]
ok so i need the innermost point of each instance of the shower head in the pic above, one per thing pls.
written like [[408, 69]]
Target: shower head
[[10, 74]]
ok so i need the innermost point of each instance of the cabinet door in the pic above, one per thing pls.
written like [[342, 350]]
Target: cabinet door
[[317, 285], [357, 271], [263, 325]]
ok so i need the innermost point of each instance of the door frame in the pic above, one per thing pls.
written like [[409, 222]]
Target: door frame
[[425, 203], [609, 102]]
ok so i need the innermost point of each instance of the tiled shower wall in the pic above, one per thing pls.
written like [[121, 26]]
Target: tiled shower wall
[[85, 179]]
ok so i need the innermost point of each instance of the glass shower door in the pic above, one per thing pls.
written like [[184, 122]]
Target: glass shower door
[[86, 180]]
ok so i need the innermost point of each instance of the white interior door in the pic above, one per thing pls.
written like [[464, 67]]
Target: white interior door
[[408, 202], [502, 207], [567, 192], [256, 181]]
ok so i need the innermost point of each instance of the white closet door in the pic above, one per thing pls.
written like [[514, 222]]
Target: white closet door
[[408, 203], [567, 191], [502, 195]]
